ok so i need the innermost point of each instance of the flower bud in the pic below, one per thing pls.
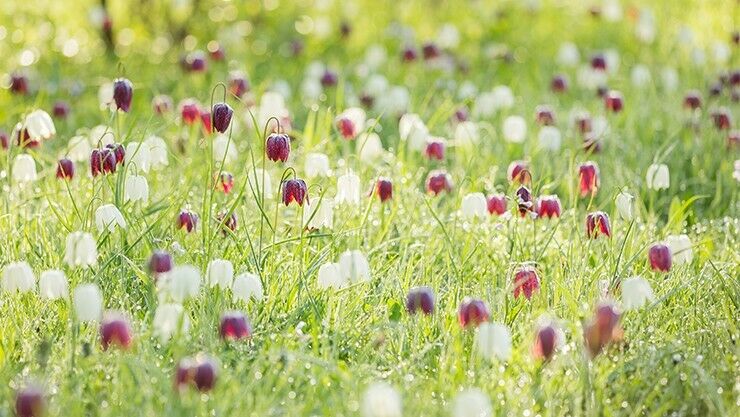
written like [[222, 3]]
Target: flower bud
[[187, 220], [330, 276], [235, 326], [123, 92], [588, 178], [102, 161], [597, 223], [472, 312], [438, 181], [60, 109], [722, 118], [238, 84], [246, 287], [559, 84], [548, 206], [496, 204], [29, 402], [660, 257], [420, 299], [295, 190], [53, 284], [88, 302], [115, 331], [384, 189], [160, 262], [65, 169], [227, 220], [526, 282], [18, 84], [169, 319], [18, 277], [222, 113], [136, 188], [277, 147]]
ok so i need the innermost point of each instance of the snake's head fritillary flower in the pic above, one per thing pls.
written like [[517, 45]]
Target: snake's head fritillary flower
[[187, 220], [588, 178], [420, 300], [545, 115], [225, 182], [88, 302], [221, 116], [472, 312], [295, 190], [277, 147], [18, 84], [384, 189], [162, 104], [60, 109], [200, 372], [329, 78], [206, 120], [189, 111], [29, 402], [196, 61], [559, 84], [246, 287], [438, 181], [102, 161], [4, 140], [430, 50], [123, 93], [435, 149], [115, 331], [658, 177], [526, 282], [160, 262], [381, 400], [109, 217], [660, 257], [65, 169], [597, 224], [216, 51], [583, 122], [603, 328], [613, 101], [518, 172], [472, 402], [496, 204], [235, 326], [722, 118], [18, 277], [493, 341], [636, 293], [351, 122], [228, 220], [238, 83], [546, 341], [548, 206], [118, 150], [409, 53], [624, 203], [80, 250], [692, 100], [598, 62], [524, 201]]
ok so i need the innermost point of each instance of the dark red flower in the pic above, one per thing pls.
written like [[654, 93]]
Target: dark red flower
[[435, 150], [524, 200], [472, 312], [235, 326], [196, 61], [497, 204], [29, 402], [238, 84], [65, 169], [545, 115], [346, 128], [588, 178], [160, 262], [201, 372], [409, 54], [598, 62], [660, 257], [206, 120], [583, 122], [559, 84], [548, 206], [123, 93], [277, 147], [518, 172], [228, 220], [222, 113], [4, 141], [602, 329], [384, 189], [189, 111], [115, 330], [18, 84], [216, 51], [162, 104], [438, 181], [597, 223], [294, 190], [430, 51], [526, 282], [187, 220], [225, 182], [613, 101], [722, 119], [60, 109], [102, 161], [329, 78], [692, 100], [545, 342], [420, 299], [118, 151]]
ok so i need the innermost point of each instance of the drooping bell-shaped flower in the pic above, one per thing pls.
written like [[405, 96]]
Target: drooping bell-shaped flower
[[438, 181], [123, 93], [597, 224], [493, 341], [221, 116], [295, 190], [115, 330], [81, 250], [472, 312], [235, 326], [660, 257], [548, 206], [526, 282], [474, 205], [420, 300], [588, 178], [277, 147], [108, 217]]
